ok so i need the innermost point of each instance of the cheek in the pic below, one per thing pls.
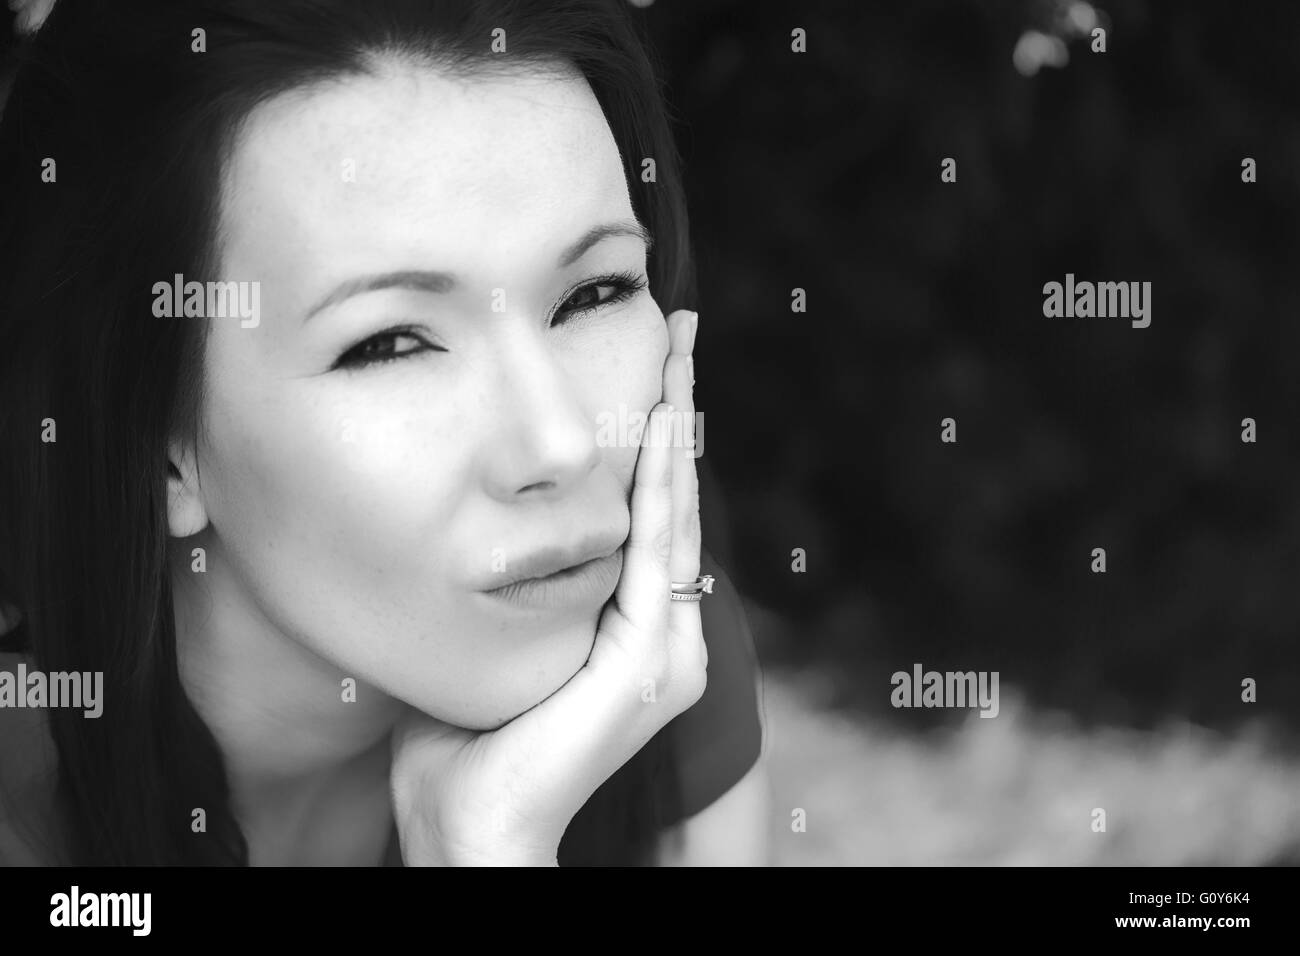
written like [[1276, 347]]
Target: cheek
[[625, 365], [332, 509], [302, 473]]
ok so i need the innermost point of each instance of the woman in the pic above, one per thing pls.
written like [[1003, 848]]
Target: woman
[[311, 310]]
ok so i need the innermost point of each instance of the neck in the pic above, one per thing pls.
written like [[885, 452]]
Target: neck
[[307, 761]]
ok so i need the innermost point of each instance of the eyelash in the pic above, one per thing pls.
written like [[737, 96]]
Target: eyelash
[[625, 284], [353, 359]]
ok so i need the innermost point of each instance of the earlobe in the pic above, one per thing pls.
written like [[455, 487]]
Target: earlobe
[[186, 514]]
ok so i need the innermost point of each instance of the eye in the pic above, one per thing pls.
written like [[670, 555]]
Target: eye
[[385, 347], [586, 298]]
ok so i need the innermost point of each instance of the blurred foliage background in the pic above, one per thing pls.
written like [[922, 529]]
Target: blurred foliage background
[[821, 171]]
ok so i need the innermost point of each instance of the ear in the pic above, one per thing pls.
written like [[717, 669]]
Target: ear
[[186, 514]]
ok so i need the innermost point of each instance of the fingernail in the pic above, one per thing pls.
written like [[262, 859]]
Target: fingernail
[[690, 367]]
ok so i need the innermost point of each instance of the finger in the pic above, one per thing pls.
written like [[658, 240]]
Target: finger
[[685, 617], [681, 333], [684, 565], [643, 586]]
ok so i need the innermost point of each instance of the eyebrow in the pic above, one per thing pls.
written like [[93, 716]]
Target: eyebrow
[[443, 282]]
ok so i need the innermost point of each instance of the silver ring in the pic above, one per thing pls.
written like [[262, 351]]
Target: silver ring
[[692, 590]]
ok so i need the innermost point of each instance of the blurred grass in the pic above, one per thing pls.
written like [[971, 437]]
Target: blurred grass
[[1019, 789]]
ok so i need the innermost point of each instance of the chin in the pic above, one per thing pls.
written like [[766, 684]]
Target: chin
[[521, 682]]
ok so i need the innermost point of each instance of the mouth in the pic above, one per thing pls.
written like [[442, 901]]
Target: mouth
[[561, 577], [589, 583]]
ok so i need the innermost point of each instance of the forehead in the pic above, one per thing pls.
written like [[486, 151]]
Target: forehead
[[412, 160]]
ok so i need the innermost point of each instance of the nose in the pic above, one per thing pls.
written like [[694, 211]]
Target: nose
[[542, 443]]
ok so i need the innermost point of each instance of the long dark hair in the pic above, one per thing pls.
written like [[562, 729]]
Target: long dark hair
[[138, 125]]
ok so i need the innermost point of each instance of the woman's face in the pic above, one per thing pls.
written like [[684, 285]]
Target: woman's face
[[416, 411]]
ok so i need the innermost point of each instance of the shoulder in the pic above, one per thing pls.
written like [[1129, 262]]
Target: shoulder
[[28, 778]]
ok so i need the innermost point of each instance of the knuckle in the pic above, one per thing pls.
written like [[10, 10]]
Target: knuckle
[[664, 480], [691, 521], [661, 546], [689, 674], [691, 682]]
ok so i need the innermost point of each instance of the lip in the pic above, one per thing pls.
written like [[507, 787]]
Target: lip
[[589, 583], [560, 576]]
